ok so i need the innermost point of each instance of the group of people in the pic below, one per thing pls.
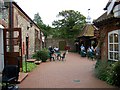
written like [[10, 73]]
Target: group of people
[[91, 52], [55, 53]]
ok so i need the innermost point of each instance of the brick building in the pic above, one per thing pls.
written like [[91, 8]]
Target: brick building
[[109, 29], [19, 35]]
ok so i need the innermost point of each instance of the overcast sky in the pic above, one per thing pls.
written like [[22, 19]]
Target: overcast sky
[[48, 9]]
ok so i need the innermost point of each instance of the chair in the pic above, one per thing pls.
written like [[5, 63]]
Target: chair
[[10, 76], [63, 56], [58, 55]]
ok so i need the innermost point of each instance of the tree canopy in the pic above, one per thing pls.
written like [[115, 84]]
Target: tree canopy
[[70, 24], [46, 29]]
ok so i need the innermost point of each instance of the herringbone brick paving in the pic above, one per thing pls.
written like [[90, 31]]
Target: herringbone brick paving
[[75, 72]]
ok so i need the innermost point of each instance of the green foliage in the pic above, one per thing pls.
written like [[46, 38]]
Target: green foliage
[[100, 70], [70, 25], [37, 19], [41, 55], [108, 71], [115, 74], [46, 29], [30, 66]]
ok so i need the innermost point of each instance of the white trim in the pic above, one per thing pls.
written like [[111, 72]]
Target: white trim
[[110, 7], [1, 51], [113, 43]]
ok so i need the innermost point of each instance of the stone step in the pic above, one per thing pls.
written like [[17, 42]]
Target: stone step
[[22, 76], [31, 60]]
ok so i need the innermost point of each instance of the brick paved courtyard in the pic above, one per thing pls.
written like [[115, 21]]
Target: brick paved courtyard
[[75, 72]]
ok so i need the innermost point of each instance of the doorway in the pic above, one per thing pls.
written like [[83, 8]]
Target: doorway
[[62, 45], [1, 51], [13, 47]]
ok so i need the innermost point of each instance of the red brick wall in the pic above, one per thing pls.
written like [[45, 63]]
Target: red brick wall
[[104, 30]]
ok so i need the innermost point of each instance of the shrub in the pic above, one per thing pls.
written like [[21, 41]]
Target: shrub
[[108, 71], [41, 55], [116, 74], [30, 66], [101, 70]]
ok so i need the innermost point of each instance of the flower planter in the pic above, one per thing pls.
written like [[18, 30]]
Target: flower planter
[[37, 62]]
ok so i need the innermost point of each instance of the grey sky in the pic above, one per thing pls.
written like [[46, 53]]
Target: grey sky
[[48, 9]]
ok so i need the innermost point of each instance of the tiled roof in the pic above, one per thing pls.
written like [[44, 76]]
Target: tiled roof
[[103, 17], [88, 30], [106, 17]]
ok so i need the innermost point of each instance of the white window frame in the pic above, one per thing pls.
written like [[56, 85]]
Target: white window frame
[[113, 32]]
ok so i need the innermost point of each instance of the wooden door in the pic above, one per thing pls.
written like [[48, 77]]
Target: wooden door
[[12, 47], [62, 45]]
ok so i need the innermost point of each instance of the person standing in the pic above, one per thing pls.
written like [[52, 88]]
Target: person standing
[[97, 52]]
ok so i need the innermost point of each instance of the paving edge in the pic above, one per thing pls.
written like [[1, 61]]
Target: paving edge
[[22, 76]]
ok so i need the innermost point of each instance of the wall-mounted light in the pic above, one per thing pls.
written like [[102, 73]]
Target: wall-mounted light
[[31, 24]]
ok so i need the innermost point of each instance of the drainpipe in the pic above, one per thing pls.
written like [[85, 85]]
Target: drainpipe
[[11, 24], [40, 40]]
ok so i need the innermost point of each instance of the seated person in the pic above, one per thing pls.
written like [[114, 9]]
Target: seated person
[[56, 49], [51, 53], [90, 53], [57, 53], [51, 56], [82, 52]]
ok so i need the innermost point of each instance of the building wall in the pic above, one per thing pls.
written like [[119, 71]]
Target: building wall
[[21, 21], [55, 42], [104, 30]]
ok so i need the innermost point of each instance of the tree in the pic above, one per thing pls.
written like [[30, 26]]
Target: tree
[[37, 19], [46, 29], [70, 25]]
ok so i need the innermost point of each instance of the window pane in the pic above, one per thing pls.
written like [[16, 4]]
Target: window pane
[[111, 47], [7, 34], [16, 48], [116, 38], [16, 34], [116, 55], [7, 48], [7, 41], [111, 38], [116, 47], [111, 55]]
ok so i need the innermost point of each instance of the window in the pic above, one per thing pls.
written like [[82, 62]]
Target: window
[[113, 46]]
